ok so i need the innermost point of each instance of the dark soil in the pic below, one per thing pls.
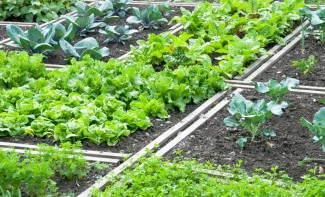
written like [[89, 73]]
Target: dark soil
[[117, 50], [216, 143], [283, 68], [131, 144], [78, 186]]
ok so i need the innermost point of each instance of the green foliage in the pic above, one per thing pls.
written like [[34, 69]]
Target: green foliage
[[149, 17], [83, 24], [35, 10], [317, 128], [157, 177], [120, 7], [276, 91], [317, 21], [17, 69], [252, 115], [119, 34], [35, 41], [102, 102], [87, 46], [305, 66], [33, 172]]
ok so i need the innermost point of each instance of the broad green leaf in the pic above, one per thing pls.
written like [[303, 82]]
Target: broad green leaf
[[241, 142], [231, 122], [14, 32], [268, 132]]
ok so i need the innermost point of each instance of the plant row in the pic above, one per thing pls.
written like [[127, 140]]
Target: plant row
[[88, 20], [104, 102], [157, 177], [34, 10], [32, 174]]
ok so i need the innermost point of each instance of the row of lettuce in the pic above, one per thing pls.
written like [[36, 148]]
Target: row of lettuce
[[104, 102]]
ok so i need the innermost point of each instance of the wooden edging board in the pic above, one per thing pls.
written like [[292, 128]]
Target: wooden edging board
[[167, 135], [303, 87], [88, 158], [101, 154]]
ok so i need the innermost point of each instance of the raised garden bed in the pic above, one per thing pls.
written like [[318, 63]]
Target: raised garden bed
[[214, 142], [283, 67]]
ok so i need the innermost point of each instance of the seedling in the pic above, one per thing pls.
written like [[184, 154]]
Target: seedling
[[317, 128], [276, 91], [252, 115], [86, 46], [35, 41], [305, 66], [118, 34], [149, 17]]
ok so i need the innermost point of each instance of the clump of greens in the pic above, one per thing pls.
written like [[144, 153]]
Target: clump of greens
[[149, 17], [18, 69], [119, 34], [35, 10], [317, 128], [83, 24], [252, 115], [87, 46], [35, 41], [305, 66], [317, 22], [33, 173], [157, 177], [276, 91]]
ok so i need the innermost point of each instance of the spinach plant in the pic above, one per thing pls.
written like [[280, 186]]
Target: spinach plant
[[84, 24], [35, 41], [149, 17], [119, 34], [276, 91], [86, 46], [317, 128], [305, 66], [252, 115]]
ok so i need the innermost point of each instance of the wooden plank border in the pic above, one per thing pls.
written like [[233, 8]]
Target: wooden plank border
[[91, 153], [88, 158]]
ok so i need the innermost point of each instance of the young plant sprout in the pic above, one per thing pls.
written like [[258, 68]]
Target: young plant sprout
[[252, 115], [305, 66], [317, 128], [276, 91], [149, 17], [119, 34]]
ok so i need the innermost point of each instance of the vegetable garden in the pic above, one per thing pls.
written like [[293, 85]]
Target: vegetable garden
[[122, 98]]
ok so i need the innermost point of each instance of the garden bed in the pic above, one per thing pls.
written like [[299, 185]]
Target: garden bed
[[131, 144], [283, 67], [216, 143], [66, 187]]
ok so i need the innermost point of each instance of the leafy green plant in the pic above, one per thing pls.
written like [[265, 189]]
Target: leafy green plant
[[8, 193], [317, 22], [83, 9], [119, 34], [305, 66], [251, 116], [276, 91], [84, 24], [164, 8], [87, 46], [157, 177], [34, 11], [17, 69], [120, 7], [317, 128], [35, 41], [149, 17]]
